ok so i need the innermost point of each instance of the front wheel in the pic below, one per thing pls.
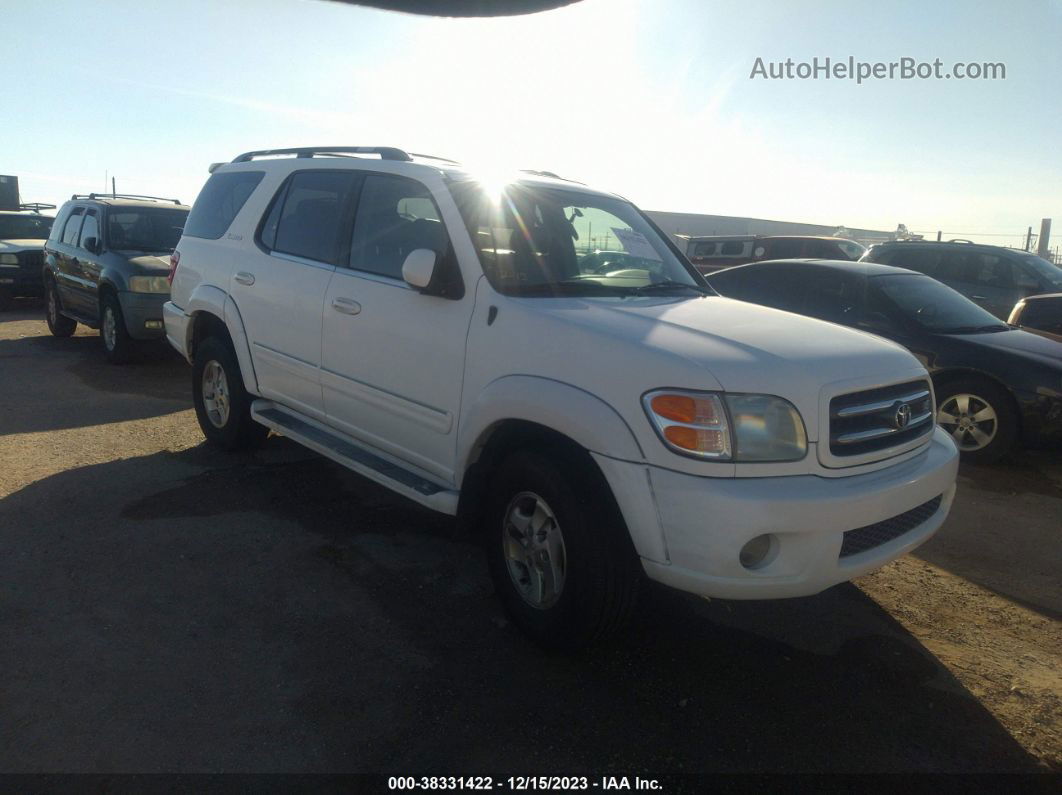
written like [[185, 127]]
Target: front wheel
[[981, 418], [117, 343], [222, 405], [559, 552]]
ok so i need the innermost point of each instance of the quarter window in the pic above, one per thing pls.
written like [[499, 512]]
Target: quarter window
[[220, 200], [73, 226], [395, 216]]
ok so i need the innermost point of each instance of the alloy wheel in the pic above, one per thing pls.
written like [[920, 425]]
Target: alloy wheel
[[216, 394], [971, 421], [534, 551]]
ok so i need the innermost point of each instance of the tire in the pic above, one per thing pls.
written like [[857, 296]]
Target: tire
[[981, 441], [117, 343], [6, 299], [59, 325], [227, 422], [574, 578]]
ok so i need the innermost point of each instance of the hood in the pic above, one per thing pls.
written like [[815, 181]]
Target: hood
[[717, 342], [21, 244], [1016, 341], [154, 264]]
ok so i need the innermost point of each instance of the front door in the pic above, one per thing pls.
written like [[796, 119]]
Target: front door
[[393, 358]]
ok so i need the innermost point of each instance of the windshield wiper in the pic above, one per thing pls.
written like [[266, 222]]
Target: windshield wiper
[[974, 329], [670, 284]]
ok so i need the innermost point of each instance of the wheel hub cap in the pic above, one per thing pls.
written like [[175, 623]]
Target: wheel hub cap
[[971, 421], [534, 550], [110, 332], [215, 394]]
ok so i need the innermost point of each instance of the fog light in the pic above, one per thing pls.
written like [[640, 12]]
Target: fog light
[[152, 324], [756, 552]]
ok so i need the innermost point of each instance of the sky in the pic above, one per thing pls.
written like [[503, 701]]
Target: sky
[[652, 100]]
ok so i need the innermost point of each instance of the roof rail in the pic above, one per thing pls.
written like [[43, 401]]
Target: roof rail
[[385, 152], [434, 157], [537, 173], [961, 240], [94, 196], [36, 207]]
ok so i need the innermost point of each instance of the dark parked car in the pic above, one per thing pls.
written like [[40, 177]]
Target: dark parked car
[[22, 236], [995, 385], [106, 264], [993, 277], [1040, 314], [712, 253]]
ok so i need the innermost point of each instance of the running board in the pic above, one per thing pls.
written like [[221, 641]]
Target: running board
[[344, 450]]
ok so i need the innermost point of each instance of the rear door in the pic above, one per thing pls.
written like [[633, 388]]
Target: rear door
[[68, 275], [392, 357], [279, 287]]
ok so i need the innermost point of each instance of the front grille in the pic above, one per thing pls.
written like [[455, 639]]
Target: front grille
[[31, 260], [874, 535], [878, 419]]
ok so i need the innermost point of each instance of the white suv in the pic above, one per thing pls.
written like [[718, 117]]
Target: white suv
[[460, 343]]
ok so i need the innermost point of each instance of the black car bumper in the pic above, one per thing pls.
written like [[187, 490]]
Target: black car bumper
[[1041, 416], [26, 278]]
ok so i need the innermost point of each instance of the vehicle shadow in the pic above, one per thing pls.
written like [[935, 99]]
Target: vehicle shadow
[[155, 383], [1009, 546], [274, 612]]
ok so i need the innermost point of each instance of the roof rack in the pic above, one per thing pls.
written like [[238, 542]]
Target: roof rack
[[385, 152], [434, 157], [94, 196], [36, 207]]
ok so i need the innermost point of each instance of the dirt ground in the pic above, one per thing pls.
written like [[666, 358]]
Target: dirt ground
[[165, 607]]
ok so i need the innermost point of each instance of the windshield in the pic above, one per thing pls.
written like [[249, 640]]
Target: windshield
[[25, 227], [144, 229], [1052, 273], [929, 304], [550, 241]]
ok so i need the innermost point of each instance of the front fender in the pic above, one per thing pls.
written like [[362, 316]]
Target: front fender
[[581, 416]]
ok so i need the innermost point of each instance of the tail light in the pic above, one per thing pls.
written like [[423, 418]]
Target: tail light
[[175, 260]]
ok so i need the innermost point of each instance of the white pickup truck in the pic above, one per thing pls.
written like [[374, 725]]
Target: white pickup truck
[[460, 343]]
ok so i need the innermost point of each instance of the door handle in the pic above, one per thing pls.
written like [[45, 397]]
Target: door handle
[[347, 306], [243, 277], [979, 297]]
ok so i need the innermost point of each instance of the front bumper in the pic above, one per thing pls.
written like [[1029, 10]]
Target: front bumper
[[176, 322], [143, 314], [705, 522]]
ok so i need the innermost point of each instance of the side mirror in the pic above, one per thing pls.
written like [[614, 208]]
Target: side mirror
[[419, 268], [91, 245]]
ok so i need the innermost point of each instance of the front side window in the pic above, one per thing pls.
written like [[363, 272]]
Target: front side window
[[783, 249], [732, 248], [1050, 274], [928, 304], [219, 201], [704, 250], [73, 226], [25, 227], [395, 216], [147, 229], [540, 241]]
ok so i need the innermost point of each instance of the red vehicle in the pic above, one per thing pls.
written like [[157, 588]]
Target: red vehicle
[[713, 253]]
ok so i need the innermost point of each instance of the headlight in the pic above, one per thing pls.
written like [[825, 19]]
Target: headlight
[[148, 284], [724, 427], [8, 259]]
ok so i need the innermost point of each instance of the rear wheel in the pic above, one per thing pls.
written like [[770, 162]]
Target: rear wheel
[[560, 556], [222, 405], [58, 324], [117, 343], [981, 418]]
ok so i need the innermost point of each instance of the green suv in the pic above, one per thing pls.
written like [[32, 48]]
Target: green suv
[[106, 265]]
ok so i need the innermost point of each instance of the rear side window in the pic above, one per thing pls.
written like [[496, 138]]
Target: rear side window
[[915, 259], [732, 248], [1045, 314], [704, 249], [307, 216], [218, 203], [395, 216], [91, 227], [783, 249], [73, 226]]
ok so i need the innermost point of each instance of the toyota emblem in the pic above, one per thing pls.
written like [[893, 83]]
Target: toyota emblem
[[902, 416]]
